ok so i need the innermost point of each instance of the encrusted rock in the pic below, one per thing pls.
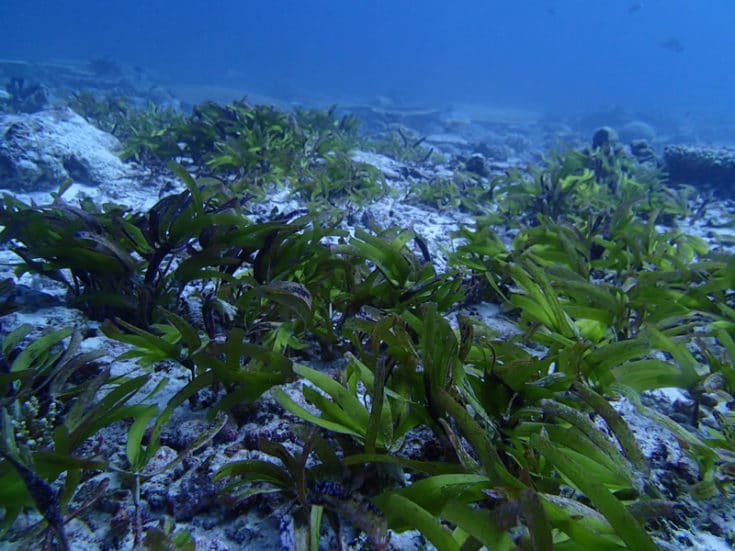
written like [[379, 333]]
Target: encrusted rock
[[228, 433], [702, 166], [155, 489], [476, 165], [40, 151], [183, 434], [643, 151], [252, 531], [194, 492], [604, 137]]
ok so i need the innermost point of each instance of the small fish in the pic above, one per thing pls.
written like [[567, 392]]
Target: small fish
[[673, 45], [634, 7]]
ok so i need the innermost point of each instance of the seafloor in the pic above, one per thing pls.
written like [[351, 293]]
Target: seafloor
[[175, 491]]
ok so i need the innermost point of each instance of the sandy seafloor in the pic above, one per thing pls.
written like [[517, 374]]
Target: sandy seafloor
[[525, 139]]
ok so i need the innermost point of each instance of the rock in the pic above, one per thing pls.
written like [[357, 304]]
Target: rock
[[636, 130], [493, 151], [604, 137], [26, 298], [40, 151], [643, 151], [211, 542], [228, 433], [476, 165], [183, 434], [194, 492], [702, 166], [390, 168], [251, 531], [155, 489], [101, 75]]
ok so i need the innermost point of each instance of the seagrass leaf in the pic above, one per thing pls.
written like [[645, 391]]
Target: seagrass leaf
[[643, 375], [141, 414], [585, 527], [617, 425], [404, 514], [106, 411], [149, 347], [255, 471], [434, 492], [386, 256], [432, 468], [480, 525], [292, 407], [14, 338], [625, 525], [439, 348], [189, 335], [536, 520], [38, 352], [294, 296], [190, 184], [700, 447]]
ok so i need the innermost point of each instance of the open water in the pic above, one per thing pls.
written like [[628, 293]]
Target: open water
[[555, 56]]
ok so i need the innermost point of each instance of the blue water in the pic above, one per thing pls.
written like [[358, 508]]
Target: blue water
[[673, 56]]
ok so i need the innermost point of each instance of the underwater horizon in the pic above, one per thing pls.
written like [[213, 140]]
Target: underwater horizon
[[665, 58]]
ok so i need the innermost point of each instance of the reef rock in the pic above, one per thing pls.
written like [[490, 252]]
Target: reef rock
[[196, 491], [476, 165], [604, 137], [643, 152], [636, 130], [40, 151], [702, 166]]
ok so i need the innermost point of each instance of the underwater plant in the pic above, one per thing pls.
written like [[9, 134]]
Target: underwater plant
[[146, 132], [467, 194], [146, 135], [490, 411], [401, 144], [102, 258], [577, 184], [48, 409], [425, 418], [23, 97], [339, 177], [107, 113]]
